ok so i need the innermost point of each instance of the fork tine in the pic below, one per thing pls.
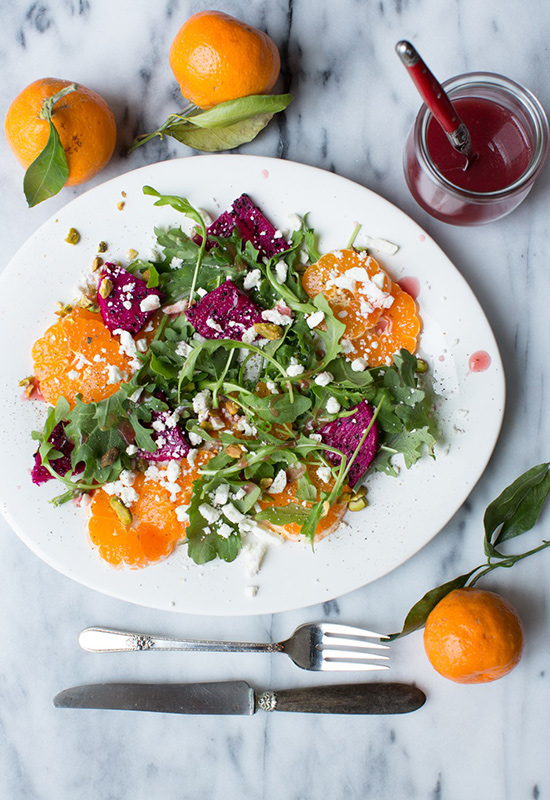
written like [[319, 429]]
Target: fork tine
[[351, 655], [348, 630], [349, 666], [355, 644]]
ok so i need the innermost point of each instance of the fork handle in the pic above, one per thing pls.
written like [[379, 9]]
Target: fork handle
[[104, 640]]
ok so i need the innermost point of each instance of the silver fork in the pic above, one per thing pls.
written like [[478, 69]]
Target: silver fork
[[323, 646]]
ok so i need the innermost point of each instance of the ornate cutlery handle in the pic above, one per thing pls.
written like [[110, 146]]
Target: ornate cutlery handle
[[103, 640]]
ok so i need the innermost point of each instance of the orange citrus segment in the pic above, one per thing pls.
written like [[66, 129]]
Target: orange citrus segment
[[292, 530], [355, 286], [398, 327], [78, 355], [155, 529]]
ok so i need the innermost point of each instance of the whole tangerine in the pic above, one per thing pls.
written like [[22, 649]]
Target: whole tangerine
[[83, 120], [216, 58], [473, 636]]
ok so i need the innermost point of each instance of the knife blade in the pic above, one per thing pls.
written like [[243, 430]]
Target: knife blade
[[238, 697]]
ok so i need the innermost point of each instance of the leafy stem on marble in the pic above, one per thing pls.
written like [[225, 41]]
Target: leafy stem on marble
[[222, 127], [513, 512]]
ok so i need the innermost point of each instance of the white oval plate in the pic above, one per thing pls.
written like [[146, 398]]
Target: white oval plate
[[404, 512]]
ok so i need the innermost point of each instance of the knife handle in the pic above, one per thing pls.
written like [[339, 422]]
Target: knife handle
[[358, 698]]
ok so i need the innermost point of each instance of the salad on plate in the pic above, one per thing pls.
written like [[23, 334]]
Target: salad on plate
[[235, 387]]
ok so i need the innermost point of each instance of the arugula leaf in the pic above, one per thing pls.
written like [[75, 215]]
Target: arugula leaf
[[204, 543], [283, 515]]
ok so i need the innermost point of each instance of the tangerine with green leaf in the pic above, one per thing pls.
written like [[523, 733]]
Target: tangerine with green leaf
[[473, 636], [82, 120]]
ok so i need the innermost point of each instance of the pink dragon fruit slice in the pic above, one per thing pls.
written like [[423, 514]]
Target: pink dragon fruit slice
[[170, 439], [62, 465], [253, 226], [345, 433], [225, 313], [130, 304]]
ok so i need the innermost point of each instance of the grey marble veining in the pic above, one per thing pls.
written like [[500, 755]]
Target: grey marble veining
[[352, 110]]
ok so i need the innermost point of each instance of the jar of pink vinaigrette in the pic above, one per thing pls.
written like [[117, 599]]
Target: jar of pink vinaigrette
[[509, 131]]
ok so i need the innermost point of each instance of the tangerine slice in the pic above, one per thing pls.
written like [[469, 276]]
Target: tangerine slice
[[78, 355], [354, 285], [398, 327], [292, 530], [155, 530]]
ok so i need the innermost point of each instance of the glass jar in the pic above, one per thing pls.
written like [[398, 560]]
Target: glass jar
[[452, 203]]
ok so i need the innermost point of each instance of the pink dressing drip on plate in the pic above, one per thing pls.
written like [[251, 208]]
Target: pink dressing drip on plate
[[410, 285], [479, 361]]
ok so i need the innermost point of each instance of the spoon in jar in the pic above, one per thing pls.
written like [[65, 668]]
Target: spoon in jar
[[437, 100]]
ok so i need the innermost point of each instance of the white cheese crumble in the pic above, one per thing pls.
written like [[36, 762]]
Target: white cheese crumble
[[183, 349], [209, 513], [114, 375], [315, 319], [181, 513], [232, 513], [333, 406], [202, 403], [252, 279], [252, 556], [359, 364], [150, 303], [294, 368], [281, 271], [195, 439], [324, 473], [324, 378], [221, 494], [279, 483]]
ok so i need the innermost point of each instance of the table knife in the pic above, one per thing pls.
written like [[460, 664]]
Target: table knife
[[238, 697]]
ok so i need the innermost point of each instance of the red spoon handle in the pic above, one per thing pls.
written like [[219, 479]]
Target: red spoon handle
[[429, 87]]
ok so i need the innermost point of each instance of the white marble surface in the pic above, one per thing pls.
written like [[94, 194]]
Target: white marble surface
[[352, 110]]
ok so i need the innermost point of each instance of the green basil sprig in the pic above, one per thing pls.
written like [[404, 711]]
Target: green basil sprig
[[49, 171], [223, 127], [515, 511]]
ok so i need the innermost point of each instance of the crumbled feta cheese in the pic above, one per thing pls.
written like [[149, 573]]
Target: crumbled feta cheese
[[209, 513], [125, 493], [131, 449], [73, 375], [333, 406], [221, 495], [324, 378], [128, 347], [252, 555], [183, 349], [294, 368], [245, 427], [359, 364], [280, 315], [272, 387], [150, 303], [239, 494], [295, 221], [173, 471], [324, 473], [279, 483], [346, 345], [176, 263], [141, 345], [252, 279], [251, 591], [214, 325], [202, 403], [281, 271], [249, 335], [316, 437], [181, 513], [114, 375], [224, 530], [195, 439], [232, 513], [192, 455], [315, 319]]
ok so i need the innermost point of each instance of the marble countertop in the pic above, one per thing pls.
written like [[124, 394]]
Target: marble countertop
[[352, 109]]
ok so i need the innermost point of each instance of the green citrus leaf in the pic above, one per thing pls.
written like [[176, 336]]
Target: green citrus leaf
[[241, 109], [214, 140], [417, 616], [49, 171]]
